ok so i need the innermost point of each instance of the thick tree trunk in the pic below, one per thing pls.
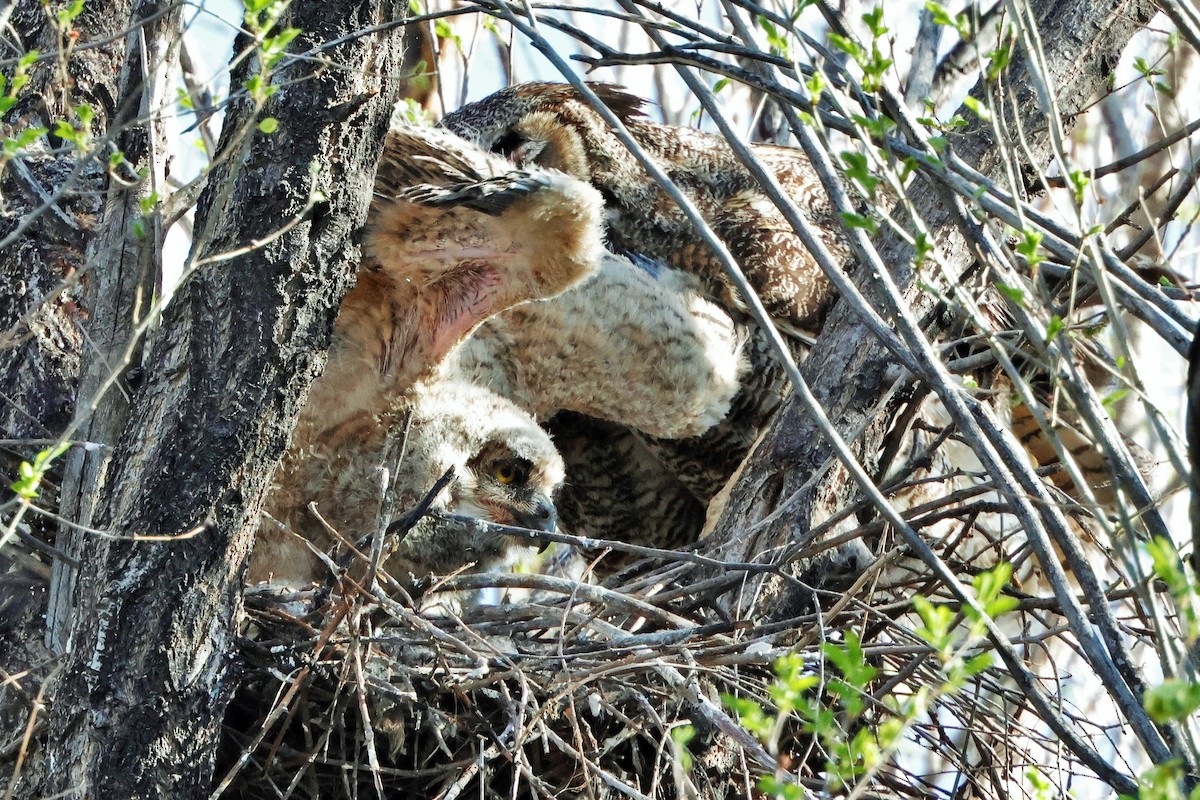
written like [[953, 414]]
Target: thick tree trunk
[[148, 673]]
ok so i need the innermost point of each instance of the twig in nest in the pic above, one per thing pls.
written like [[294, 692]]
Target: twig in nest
[[402, 526], [544, 538]]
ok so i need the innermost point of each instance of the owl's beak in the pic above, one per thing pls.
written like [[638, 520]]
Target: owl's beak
[[541, 516]]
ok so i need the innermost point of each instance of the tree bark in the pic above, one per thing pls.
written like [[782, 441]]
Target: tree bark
[[144, 685], [51, 199], [121, 286]]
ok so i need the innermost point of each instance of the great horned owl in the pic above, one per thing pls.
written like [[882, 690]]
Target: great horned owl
[[551, 125], [440, 341]]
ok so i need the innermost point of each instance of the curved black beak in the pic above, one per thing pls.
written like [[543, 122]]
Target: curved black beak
[[541, 516]]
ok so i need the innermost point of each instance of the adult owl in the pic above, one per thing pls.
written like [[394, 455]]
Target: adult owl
[[551, 125], [434, 269], [486, 302]]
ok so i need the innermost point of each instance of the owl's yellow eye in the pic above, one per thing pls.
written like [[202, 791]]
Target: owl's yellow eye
[[511, 470]]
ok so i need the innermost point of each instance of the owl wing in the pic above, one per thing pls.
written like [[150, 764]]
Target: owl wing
[[456, 236]]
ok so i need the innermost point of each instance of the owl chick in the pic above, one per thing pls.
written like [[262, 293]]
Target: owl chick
[[550, 125], [455, 236]]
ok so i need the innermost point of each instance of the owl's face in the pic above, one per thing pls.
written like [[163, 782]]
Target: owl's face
[[501, 486], [506, 469]]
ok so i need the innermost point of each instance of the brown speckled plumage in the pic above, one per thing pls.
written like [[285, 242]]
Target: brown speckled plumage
[[437, 266], [549, 125]]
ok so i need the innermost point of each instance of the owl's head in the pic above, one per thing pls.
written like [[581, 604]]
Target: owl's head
[[506, 470], [543, 124], [501, 485]]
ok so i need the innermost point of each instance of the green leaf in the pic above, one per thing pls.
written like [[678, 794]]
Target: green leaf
[[850, 661], [13, 144], [1029, 246], [1172, 700], [443, 31], [789, 691], [876, 127], [923, 248], [268, 125], [977, 664], [70, 13], [26, 486], [750, 715], [1164, 559], [874, 22], [777, 789], [255, 6], [816, 85], [67, 132], [275, 47], [147, 203], [941, 16], [1055, 327], [680, 737], [1111, 400], [977, 106], [858, 170], [937, 630], [998, 59], [847, 46], [776, 39], [990, 583], [1043, 789], [1079, 182], [1013, 293], [1144, 69], [859, 221]]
